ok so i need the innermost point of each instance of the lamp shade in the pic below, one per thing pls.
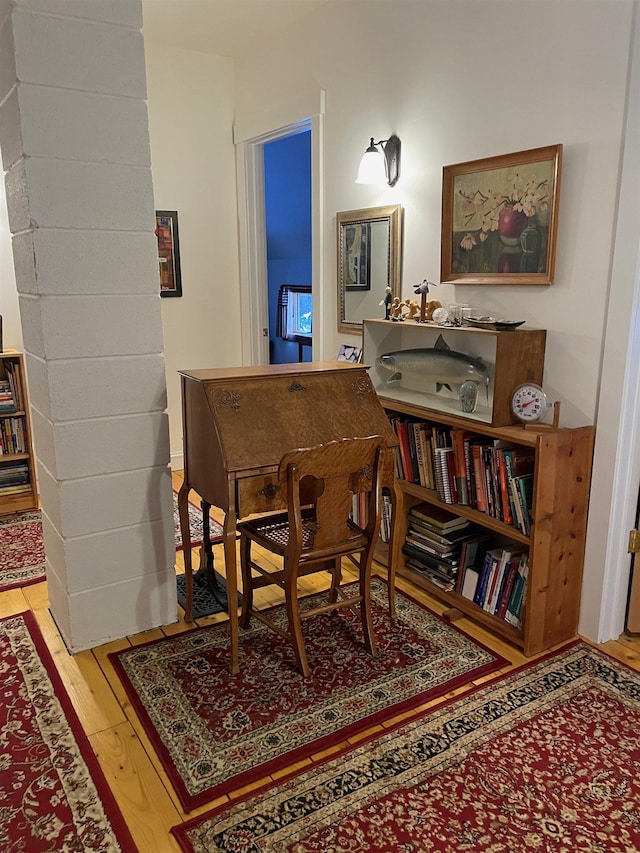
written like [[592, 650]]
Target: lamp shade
[[372, 167]]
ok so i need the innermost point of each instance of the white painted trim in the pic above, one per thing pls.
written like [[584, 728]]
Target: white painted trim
[[253, 254], [626, 480], [624, 303], [252, 227], [318, 348], [278, 117]]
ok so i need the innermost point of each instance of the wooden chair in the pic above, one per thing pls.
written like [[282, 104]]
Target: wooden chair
[[316, 532]]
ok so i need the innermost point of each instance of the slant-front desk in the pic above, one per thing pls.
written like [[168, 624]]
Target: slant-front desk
[[239, 422]]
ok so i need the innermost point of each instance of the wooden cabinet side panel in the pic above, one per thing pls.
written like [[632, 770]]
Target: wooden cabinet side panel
[[204, 464], [519, 358], [561, 500]]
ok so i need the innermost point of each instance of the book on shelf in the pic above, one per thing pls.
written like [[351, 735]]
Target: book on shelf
[[405, 452], [507, 515], [510, 576], [514, 611], [385, 518], [449, 539], [413, 451], [524, 490], [472, 551], [430, 545], [469, 582], [427, 455], [419, 451], [443, 581], [438, 518], [489, 563], [460, 457], [494, 597], [480, 486], [518, 461], [428, 561]]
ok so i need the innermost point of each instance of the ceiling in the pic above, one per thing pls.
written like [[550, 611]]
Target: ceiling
[[223, 27]]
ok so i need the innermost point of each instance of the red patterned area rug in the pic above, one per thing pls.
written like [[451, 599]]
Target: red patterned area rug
[[21, 550], [195, 526], [215, 732], [546, 758], [53, 795]]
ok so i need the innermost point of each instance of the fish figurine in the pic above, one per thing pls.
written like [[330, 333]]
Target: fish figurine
[[439, 364]]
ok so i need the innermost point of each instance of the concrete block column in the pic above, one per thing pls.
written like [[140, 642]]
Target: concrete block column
[[75, 149]]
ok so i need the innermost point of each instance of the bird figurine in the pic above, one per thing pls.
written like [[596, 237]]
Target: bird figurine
[[423, 290]]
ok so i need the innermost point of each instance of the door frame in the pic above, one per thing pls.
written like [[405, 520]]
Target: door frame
[[252, 239]]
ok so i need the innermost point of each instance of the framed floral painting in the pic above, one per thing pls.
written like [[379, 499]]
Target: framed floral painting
[[500, 218]]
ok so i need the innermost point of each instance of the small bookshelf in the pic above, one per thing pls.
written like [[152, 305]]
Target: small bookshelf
[[543, 523], [18, 491]]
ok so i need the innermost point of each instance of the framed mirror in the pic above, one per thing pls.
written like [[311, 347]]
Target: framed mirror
[[369, 260]]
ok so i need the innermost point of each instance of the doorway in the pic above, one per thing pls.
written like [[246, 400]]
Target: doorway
[[287, 200]]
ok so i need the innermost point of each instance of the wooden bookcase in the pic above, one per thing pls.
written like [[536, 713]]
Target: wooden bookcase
[[561, 483], [15, 426]]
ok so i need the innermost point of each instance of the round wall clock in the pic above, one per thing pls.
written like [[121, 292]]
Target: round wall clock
[[529, 403]]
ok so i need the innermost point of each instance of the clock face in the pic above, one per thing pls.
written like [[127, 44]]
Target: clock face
[[529, 402]]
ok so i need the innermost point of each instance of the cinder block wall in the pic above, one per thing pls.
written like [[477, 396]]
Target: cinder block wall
[[75, 148]]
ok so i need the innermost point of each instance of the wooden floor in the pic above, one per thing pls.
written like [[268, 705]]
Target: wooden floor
[[136, 777]]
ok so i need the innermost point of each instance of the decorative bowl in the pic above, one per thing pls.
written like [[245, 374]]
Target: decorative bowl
[[493, 323]]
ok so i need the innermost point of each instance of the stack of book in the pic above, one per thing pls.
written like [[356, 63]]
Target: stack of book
[[434, 543], [14, 479], [7, 401]]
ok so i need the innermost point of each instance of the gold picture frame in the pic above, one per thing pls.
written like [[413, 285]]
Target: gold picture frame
[[500, 218]]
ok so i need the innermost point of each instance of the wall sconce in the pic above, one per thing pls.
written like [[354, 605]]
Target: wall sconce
[[379, 167]]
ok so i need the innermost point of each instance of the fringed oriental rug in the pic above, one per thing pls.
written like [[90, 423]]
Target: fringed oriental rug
[[21, 550], [53, 795], [546, 758], [22, 557], [195, 526], [215, 732]]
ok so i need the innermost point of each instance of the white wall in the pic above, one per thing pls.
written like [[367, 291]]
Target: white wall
[[12, 332], [190, 102], [458, 81], [465, 79]]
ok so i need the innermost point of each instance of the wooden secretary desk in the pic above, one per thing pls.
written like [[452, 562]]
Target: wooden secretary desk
[[239, 422]]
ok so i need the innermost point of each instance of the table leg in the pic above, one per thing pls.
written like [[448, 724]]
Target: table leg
[[183, 512], [231, 572]]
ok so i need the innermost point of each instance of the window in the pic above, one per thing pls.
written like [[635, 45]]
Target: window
[[294, 313]]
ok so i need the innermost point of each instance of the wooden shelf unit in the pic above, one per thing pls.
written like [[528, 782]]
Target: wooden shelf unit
[[556, 543], [561, 482], [511, 357], [28, 500]]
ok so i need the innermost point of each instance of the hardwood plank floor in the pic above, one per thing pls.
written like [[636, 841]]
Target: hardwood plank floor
[[133, 772]]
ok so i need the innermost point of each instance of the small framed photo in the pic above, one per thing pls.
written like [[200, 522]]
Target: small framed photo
[[356, 255], [348, 353], [168, 252], [500, 218]]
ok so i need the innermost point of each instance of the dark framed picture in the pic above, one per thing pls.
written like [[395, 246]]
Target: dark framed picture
[[500, 218], [168, 252], [357, 255]]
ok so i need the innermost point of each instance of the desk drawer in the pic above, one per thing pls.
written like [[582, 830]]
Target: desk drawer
[[260, 494]]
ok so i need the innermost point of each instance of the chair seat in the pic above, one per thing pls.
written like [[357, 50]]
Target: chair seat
[[273, 531]]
